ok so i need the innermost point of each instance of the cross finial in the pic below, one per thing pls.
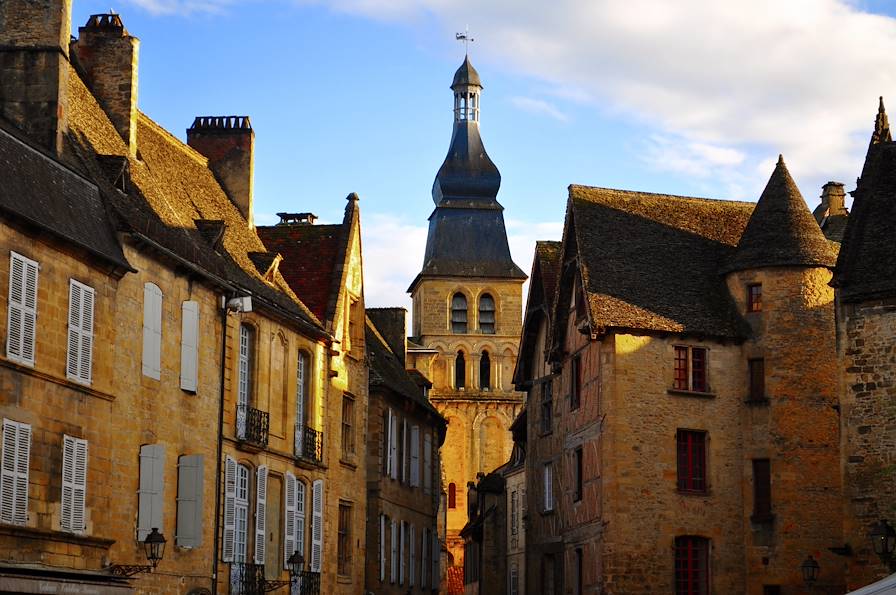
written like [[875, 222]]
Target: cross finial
[[466, 38]]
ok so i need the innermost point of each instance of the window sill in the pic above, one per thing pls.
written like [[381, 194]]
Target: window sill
[[343, 579], [758, 402], [348, 462], [691, 393], [545, 433], [693, 493], [548, 512]]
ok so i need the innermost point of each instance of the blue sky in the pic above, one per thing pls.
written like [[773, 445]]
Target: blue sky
[[694, 97]]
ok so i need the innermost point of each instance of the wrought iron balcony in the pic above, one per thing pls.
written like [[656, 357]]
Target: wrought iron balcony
[[247, 578], [310, 445], [252, 426]]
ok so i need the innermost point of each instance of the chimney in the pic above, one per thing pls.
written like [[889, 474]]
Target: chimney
[[34, 38], [833, 195], [108, 54], [392, 325], [228, 142]]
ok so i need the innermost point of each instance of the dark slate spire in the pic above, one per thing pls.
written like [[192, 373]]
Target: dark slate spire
[[466, 231], [881, 126], [781, 230]]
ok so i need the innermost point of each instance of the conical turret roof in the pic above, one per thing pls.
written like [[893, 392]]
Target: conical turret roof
[[781, 230]]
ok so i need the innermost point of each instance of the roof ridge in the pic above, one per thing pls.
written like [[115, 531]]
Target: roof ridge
[[666, 195]]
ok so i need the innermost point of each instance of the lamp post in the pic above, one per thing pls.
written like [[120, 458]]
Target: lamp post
[[883, 540], [154, 545], [810, 569]]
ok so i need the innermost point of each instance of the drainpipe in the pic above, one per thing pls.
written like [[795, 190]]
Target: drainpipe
[[218, 486]]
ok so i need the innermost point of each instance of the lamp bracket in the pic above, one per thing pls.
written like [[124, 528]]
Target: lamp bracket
[[129, 569]]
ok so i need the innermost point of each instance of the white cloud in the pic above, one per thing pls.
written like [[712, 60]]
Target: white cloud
[[539, 106], [182, 7]]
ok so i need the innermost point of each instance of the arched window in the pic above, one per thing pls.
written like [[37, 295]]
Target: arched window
[[487, 314], [452, 495], [459, 313], [460, 370], [303, 382], [485, 371], [245, 362]]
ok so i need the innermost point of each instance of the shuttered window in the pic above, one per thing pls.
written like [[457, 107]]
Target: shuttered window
[[393, 573], [289, 517], [458, 313], [150, 494], [241, 514], [393, 445], [79, 361], [402, 536], [244, 377], [22, 319], [436, 556], [382, 548], [301, 501], [415, 456], [229, 510], [189, 346], [317, 525], [424, 558], [302, 378], [427, 463], [487, 314], [404, 451], [74, 484], [14, 472], [548, 487], [189, 501], [412, 557], [152, 331], [344, 540], [261, 507]]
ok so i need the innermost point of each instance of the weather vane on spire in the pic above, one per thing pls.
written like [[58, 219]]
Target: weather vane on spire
[[465, 37]]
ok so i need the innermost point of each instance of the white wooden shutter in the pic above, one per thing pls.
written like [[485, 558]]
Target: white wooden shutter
[[317, 524], [548, 488], [261, 506], [188, 533], [427, 463], [393, 445], [151, 492], [393, 574], [415, 456], [152, 331], [382, 548], [300, 516], [189, 346], [424, 557], [22, 317], [229, 510], [79, 361], [289, 517], [74, 484], [404, 451], [401, 549], [412, 565], [14, 472]]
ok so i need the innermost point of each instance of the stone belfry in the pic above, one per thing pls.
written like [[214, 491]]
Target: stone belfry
[[467, 309]]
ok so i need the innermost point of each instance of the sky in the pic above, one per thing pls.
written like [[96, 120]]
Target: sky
[[693, 97]]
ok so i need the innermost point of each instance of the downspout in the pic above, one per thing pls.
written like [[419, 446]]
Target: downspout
[[218, 485]]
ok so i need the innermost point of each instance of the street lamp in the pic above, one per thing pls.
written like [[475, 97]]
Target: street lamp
[[883, 540], [295, 563], [154, 545], [810, 569]]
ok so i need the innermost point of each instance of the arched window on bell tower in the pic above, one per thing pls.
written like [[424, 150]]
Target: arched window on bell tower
[[460, 370], [459, 313], [485, 371], [487, 314]]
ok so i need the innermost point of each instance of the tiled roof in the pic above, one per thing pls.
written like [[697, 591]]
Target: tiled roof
[[781, 231], [539, 305], [548, 255], [454, 577], [310, 255], [651, 261]]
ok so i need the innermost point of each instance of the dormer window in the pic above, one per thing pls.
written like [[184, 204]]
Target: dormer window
[[487, 314], [459, 313]]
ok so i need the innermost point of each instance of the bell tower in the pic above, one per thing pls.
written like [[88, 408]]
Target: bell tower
[[467, 309]]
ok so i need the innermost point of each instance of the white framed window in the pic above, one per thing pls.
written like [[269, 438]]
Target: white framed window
[[244, 377], [189, 346], [152, 487], [22, 315], [14, 466], [74, 484], [261, 507], [302, 384], [241, 510], [424, 557], [152, 331], [294, 525], [79, 360]]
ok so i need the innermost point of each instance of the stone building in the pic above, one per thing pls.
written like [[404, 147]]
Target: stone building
[[865, 282], [687, 439], [485, 535], [467, 309], [403, 489], [515, 509]]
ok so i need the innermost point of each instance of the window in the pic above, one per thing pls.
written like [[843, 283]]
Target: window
[[548, 487], [452, 495], [771, 589], [424, 558], [548, 574], [403, 452], [757, 379], [514, 516], [579, 470], [547, 405], [294, 517], [412, 556], [579, 571], [691, 448], [762, 490], [245, 360], [261, 507], [690, 369], [348, 435], [188, 533], [383, 548], [460, 371], [513, 580], [390, 447], [427, 463], [152, 331], [22, 315], [754, 297], [485, 369], [236, 511], [575, 389], [459, 313], [151, 492], [14, 472], [393, 574], [302, 385], [344, 543], [74, 484], [415, 456], [487, 314], [403, 539], [189, 346], [317, 524], [80, 332], [691, 565]]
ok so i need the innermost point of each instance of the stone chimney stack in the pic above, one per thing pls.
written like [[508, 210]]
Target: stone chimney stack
[[392, 325], [229, 143], [833, 195], [108, 55], [34, 38]]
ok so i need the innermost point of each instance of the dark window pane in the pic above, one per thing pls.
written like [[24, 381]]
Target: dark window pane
[[681, 368], [487, 314], [575, 395], [460, 370], [757, 379], [485, 371], [452, 495], [579, 471], [691, 565], [754, 297], [691, 455], [698, 369], [459, 313], [762, 489]]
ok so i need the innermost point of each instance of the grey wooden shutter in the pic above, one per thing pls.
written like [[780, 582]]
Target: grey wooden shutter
[[436, 556], [79, 360], [382, 548], [415, 456], [393, 453], [261, 507], [427, 463], [404, 450], [189, 346], [188, 533], [152, 331], [424, 558], [74, 484], [317, 524], [393, 574], [229, 536], [151, 492], [289, 517], [22, 316], [412, 565], [401, 549], [300, 516], [14, 472]]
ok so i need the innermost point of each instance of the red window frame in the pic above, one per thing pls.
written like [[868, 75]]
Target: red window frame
[[754, 297], [691, 451], [691, 565], [681, 368], [452, 495]]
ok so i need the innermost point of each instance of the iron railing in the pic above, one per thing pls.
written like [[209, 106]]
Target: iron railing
[[312, 445], [247, 578], [252, 426]]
